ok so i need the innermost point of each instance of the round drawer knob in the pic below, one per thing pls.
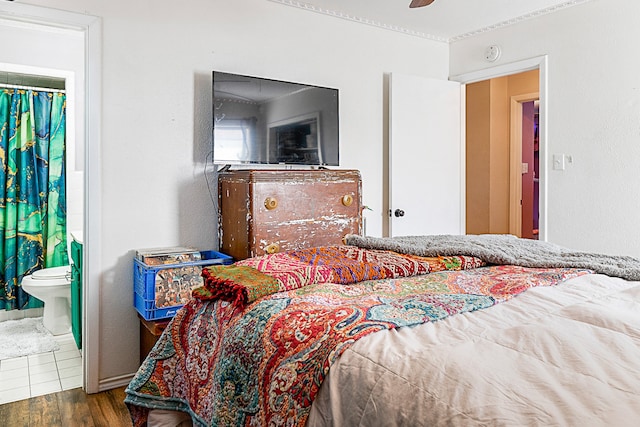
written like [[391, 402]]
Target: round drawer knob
[[347, 199], [272, 248], [270, 203]]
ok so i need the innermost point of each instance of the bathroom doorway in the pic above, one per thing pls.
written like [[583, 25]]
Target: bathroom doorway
[[43, 98], [46, 24]]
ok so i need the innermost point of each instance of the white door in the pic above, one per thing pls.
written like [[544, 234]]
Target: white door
[[425, 156]]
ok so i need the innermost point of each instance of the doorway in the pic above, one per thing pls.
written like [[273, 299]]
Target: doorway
[[524, 195], [494, 163], [48, 24]]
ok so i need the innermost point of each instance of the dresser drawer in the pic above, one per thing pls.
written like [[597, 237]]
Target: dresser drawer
[[317, 201]]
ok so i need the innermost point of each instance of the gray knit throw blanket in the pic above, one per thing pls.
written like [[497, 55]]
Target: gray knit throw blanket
[[503, 249]]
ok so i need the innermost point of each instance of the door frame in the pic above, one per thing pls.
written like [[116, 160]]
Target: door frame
[[91, 28], [515, 161], [540, 63]]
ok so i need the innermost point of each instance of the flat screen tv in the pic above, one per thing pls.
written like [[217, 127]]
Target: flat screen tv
[[270, 122]]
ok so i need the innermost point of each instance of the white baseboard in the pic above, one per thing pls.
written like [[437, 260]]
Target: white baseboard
[[114, 382]]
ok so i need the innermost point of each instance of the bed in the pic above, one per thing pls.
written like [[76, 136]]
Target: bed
[[423, 330]]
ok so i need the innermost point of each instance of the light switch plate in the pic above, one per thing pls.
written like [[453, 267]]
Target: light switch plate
[[558, 162]]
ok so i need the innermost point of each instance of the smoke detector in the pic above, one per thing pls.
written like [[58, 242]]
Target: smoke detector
[[492, 53]]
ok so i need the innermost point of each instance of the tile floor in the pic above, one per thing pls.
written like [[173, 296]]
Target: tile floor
[[44, 373]]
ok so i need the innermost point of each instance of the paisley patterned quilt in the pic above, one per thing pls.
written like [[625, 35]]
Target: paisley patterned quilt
[[263, 364], [253, 278]]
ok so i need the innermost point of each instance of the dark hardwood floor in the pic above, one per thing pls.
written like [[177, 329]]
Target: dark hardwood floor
[[68, 409]]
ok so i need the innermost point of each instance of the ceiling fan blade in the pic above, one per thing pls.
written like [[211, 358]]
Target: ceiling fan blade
[[420, 3]]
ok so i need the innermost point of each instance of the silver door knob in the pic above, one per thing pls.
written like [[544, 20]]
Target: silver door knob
[[398, 213]]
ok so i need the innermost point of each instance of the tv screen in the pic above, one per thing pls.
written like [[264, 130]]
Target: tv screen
[[264, 121]]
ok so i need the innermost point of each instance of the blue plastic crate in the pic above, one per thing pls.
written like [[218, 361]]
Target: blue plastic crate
[[144, 282]]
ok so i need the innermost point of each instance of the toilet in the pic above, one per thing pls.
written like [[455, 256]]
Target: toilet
[[52, 286]]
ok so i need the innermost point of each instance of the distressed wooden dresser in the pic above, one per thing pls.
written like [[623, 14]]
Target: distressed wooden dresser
[[268, 211]]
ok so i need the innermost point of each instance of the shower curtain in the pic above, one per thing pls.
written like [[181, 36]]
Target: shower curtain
[[32, 190]]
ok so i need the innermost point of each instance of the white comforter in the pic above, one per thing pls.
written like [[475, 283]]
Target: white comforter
[[567, 355]]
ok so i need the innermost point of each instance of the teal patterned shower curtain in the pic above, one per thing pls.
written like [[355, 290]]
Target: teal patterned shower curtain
[[32, 190]]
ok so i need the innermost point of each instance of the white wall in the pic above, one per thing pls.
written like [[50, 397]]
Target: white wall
[[593, 115], [156, 124]]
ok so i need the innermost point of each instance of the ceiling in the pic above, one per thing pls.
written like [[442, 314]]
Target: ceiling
[[443, 20]]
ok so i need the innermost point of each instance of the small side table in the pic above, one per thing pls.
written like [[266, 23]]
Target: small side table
[[150, 331]]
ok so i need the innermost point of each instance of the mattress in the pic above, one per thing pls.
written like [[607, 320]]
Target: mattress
[[567, 355]]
